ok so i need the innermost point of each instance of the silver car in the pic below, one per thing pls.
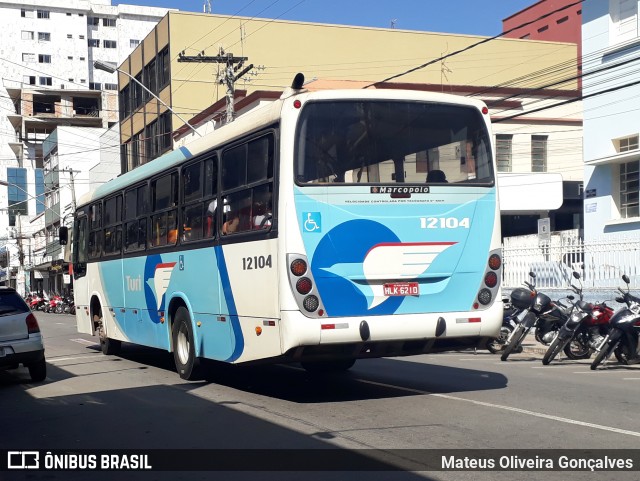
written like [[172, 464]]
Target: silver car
[[20, 338]]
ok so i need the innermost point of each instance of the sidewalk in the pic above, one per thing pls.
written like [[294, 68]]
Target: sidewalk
[[531, 346]]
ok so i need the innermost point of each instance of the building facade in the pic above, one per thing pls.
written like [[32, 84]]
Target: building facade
[[506, 72], [47, 50], [611, 42]]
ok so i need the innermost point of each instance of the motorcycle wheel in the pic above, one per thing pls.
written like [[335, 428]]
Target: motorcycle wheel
[[496, 345], [622, 354], [554, 349], [576, 350], [604, 353], [516, 338]]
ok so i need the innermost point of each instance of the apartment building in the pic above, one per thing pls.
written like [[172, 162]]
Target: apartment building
[[47, 50]]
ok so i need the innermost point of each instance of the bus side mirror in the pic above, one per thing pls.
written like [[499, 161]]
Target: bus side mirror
[[63, 235]]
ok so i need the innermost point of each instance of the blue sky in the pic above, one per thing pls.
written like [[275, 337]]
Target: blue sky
[[473, 17]]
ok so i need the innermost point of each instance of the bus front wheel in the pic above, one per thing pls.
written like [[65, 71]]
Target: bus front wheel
[[108, 346], [184, 346]]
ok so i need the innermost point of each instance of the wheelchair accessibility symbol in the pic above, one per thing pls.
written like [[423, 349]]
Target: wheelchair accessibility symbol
[[312, 222]]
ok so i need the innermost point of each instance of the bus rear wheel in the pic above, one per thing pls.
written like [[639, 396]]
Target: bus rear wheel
[[337, 365], [187, 364]]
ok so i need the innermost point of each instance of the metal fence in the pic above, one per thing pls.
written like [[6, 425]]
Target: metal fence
[[601, 263]]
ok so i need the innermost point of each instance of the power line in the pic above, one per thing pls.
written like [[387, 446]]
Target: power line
[[474, 45]]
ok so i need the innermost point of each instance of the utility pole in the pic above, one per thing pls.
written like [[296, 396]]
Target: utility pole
[[230, 77], [73, 187]]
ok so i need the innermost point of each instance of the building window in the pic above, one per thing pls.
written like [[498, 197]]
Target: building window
[[108, 22], [109, 44], [39, 177], [26, 13], [150, 76], [562, 20], [45, 81], [624, 20], [133, 43], [95, 86], [628, 143], [81, 37], [29, 79], [28, 57], [539, 153], [44, 37], [43, 13], [629, 188], [17, 193], [94, 42], [163, 68], [69, 57], [503, 152], [69, 35], [93, 21], [44, 58], [82, 59], [111, 86], [26, 35], [543, 28]]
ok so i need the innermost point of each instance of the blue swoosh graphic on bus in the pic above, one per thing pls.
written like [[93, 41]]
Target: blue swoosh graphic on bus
[[233, 311], [153, 303], [386, 261], [339, 255]]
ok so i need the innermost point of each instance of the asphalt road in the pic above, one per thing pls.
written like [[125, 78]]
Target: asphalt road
[[456, 400]]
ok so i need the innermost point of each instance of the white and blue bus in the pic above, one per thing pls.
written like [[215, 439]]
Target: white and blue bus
[[322, 228]]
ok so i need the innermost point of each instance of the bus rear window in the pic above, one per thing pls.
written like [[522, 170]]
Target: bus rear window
[[371, 142]]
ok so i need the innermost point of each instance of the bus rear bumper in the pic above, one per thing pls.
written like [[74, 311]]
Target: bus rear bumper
[[397, 335]]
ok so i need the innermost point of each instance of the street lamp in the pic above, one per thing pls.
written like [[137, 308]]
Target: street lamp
[[100, 65]]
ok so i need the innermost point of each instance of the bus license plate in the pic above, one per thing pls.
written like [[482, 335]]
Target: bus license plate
[[401, 289]]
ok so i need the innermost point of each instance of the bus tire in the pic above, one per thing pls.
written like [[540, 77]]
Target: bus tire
[[108, 346], [337, 365], [184, 355]]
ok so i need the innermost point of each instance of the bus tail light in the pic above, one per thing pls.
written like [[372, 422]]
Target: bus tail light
[[303, 286], [298, 267], [491, 279], [311, 303], [489, 289]]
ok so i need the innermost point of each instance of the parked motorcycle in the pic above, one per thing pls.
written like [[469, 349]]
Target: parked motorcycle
[[578, 314], [590, 333], [508, 325], [536, 310], [37, 303], [623, 338]]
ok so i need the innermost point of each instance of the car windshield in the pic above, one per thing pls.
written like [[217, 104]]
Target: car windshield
[[373, 142], [11, 303]]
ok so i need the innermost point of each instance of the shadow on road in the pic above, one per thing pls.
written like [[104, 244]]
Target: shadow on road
[[173, 418]]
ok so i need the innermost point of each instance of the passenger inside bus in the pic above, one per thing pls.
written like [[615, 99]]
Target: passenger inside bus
[[261, 214], [436, 176], [231, 225]]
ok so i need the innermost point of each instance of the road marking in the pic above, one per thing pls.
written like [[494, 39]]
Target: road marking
[[631, 378], [68, 358], [509, 408], [84, 341]]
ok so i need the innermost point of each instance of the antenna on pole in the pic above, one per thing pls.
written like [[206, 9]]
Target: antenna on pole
[[207, 6], [393, 22]]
